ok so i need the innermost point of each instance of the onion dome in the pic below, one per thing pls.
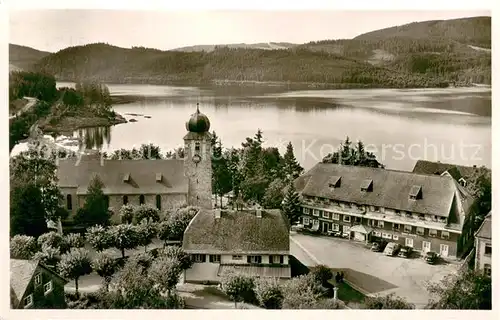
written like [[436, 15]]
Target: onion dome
[[198, 122]]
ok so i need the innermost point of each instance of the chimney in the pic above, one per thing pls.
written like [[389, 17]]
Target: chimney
[[217, 213]]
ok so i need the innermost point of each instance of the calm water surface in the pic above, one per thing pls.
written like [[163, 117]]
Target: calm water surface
[[400, 126]]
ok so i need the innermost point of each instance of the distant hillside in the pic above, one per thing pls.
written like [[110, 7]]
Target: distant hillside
[[139, 65], [469, 31], [22, 57], [263, 46], [451, 50]]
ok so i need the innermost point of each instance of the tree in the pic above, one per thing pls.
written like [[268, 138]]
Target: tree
[[127, 213], [291, 204], [125, 236], [144, 211], [274, 195], [179, 220], [353, 155], [74, 240], [221, 175], [166, 271], [105, 266], [99, 238], [176, 253], [146, 232], [74, 264], [390, 301], [469, 290], [322, 274], [269, 293], [291, 168], [54, 240], [49, 256], [238, 287], [95, 210], [27, 213], [22, 247], [164, 231]]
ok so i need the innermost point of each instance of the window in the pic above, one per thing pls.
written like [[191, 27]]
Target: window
[[141, 199], [47, 288], [487, 250], [199, 258], [357, 220], [237, 258], [395, 237], [421, 216], [380, 223], [326, 214], [487, 269], [397, 212], [347, 218], [376, 233], [445, 234], [316, 212], [38, 279], [386, 235], [433, 233], [306, 210], [125, 199], [276, 259], [306, 220], [69, 202], [409, 215], [215, 258], [335, 216], [395, 226], [28, 301], [336, 227], [420, 231], [158, 202], [407, 228], [254, 259], [197, 147]]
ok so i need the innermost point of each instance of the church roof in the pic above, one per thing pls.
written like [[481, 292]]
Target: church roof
[[124, 176], [237, 232]]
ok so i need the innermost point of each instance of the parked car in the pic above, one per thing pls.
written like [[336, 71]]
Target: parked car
[[378, 246], [298, 227], [391, 249], [431, 257], [405, 252]]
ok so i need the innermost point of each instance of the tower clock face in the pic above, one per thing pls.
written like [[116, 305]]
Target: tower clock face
[[196, 158]]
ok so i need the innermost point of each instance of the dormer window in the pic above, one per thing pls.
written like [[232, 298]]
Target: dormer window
[[367, 185], [415, 192], [159, 177], [334, 182], [462, 182], [126, 177]]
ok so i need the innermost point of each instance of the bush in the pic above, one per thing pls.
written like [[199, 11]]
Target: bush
[[269, 293]]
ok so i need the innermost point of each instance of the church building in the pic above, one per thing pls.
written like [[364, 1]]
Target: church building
[[164, 183]]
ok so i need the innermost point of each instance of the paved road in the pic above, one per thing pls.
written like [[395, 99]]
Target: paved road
[[372, 271], [29, 105]]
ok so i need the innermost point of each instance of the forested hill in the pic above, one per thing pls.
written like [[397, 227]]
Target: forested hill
[[264, 46], [474, 31], [22, 57], [139, 65], [423, 54]]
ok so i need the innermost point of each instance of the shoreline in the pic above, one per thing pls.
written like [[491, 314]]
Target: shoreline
[[70, 124]]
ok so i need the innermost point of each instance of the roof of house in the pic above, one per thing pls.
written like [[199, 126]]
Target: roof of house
[[237, 232], [456, 171], [21, 273], [390, 189], [275, 272], [484, 230], [142, 175]]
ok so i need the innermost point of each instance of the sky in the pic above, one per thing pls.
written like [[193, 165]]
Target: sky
[[53, 30]]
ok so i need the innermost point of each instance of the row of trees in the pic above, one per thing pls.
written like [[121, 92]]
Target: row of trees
[[102, 62]]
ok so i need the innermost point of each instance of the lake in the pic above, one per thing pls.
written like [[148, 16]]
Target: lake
[[399, 125]]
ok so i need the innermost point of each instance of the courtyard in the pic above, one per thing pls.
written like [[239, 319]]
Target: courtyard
[[370, 272]]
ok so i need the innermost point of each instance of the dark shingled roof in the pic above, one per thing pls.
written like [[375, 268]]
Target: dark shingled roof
[[430, 167], [142, 175], [484, 230], [391, 189], [237, 232]]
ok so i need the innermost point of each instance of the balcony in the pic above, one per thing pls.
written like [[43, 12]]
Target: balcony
[[328, 205]]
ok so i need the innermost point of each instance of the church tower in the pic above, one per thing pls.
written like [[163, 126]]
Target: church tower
[[198, 160]]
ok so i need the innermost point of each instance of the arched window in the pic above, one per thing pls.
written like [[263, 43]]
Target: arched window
[[158, 202], [197, 146], [69, 202], [125, 199], [141, 199]]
